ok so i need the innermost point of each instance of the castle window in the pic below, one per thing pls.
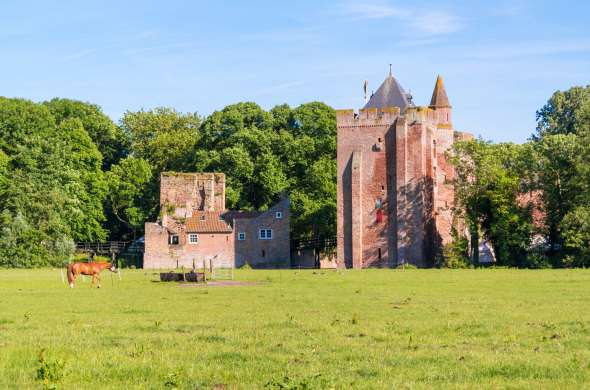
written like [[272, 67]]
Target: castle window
[[382, 188], [241, 236], [263, 253], [203, 217], [378, 139], [379, 254], [279, 215], [173, 239], [265, 234], [193, 238]]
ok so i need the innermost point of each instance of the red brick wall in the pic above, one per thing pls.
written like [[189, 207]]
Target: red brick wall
[[400, 159], [276, 251], [218, 247], [361, 181]]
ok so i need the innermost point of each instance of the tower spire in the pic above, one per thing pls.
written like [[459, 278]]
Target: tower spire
[[439, 95], [390, 74]]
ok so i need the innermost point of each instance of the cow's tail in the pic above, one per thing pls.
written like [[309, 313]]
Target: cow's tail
[[71, 275]]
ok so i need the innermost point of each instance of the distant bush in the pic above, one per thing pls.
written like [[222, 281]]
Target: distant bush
[[455, 254], [538, 260]]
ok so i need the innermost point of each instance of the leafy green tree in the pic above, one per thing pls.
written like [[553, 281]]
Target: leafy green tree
[[43, 197], [110, 139], [562, 147], [487, 188], [558, 159], [163, 137], [566, 112], [266, 154], [128, 181]]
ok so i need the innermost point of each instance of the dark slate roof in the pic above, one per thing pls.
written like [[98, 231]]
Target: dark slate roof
[[389, 94], [439, 95], [207, 222]]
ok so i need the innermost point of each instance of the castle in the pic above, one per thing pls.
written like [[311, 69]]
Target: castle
[[194, 226], [394, 189]]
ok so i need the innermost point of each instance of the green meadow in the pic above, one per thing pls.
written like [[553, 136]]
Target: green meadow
[[371, 329]]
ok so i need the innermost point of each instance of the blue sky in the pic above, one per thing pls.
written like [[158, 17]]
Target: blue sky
[[500, 60]]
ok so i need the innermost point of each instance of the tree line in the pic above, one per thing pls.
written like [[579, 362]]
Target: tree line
[[532, 200], [68, 173]]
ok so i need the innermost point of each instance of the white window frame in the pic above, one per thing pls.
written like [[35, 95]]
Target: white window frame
[[241, 236], [171, 239], [265, 234], [279, 215], [190, 236]]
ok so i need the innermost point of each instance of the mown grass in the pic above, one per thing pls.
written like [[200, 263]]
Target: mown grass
[[353, 329]]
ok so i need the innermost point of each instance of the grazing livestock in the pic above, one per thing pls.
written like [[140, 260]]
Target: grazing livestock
[[92, 269]]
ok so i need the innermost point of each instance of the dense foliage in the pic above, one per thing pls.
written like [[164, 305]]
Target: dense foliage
[[493, 181], [51, 185]]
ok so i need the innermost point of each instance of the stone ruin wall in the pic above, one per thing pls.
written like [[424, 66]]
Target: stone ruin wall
[[185, 193]]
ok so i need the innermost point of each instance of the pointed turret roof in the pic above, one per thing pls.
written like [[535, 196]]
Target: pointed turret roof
[[439, 95], [389, 94]]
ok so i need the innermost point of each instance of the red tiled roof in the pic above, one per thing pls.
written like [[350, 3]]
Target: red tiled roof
[[207, 222]]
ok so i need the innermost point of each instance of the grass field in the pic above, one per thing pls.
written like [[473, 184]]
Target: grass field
[[322, 329]]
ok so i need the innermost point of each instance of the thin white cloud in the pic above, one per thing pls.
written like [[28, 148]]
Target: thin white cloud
[[425, 23], [435, 22], [373, 10]]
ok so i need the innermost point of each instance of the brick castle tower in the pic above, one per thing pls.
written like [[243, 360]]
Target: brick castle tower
[[394, 190]]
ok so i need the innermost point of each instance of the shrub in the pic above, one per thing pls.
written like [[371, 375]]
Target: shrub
[[455, 254]]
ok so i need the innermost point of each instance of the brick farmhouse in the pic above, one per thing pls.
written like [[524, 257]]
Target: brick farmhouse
[[194, 226]]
